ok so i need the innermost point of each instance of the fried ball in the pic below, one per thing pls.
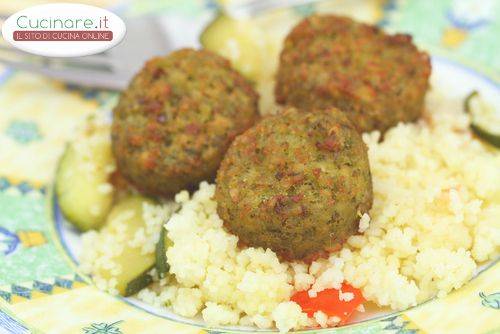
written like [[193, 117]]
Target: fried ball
[[175, 121], [378, 79], [296, 183]]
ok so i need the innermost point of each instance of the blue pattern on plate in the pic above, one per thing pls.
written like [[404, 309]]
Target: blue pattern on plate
[[23, 187], [492, 300], [9, 240], [11, 325], [43, 287], [397, 324], [63, 283], [103, 328], [21, 291], [23, 132]]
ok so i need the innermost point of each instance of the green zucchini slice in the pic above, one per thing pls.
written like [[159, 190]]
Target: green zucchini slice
[[84, 194], [124, 220], [237, 40], [485, 119], [162, 265], [138, 283]]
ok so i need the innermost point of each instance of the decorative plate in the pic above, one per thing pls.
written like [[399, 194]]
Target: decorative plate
[[41, 290]]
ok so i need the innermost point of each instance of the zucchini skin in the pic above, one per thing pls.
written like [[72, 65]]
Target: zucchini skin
[[83, 169], [68, 213], [467, 101], [485, 135], [138, 283], [478, 130], [162, 266], [135, 266]]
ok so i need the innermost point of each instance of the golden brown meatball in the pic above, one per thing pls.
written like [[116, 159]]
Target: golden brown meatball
[[296, 183], [176, 119], [376, 78]]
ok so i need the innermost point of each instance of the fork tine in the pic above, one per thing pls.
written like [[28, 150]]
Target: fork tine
[[111, 69], [8, 53], [93, 71], [251, 8], [100, 61], [16, 57], [82, 77]]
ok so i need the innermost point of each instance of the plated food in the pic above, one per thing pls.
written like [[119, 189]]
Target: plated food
[[311, 217], [295, 183], [378, 79], [84, 170], [485, 120], [175, 121]]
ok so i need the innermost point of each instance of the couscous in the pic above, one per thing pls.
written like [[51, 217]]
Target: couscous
[[315, 214], [429, 178]]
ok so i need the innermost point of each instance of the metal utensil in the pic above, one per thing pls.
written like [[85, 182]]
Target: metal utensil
[[146, 37], [111, 69], [250, 8]]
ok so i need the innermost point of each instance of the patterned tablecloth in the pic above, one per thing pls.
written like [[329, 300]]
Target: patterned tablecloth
[[38, 115]]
